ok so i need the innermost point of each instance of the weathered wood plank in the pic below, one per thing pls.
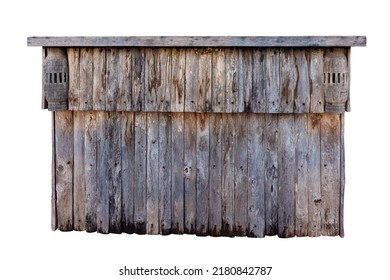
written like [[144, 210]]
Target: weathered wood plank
[[103, 212], [124, 80], [330, 174], [192, 69], [64, 169], [54, 223], [203, 102], [302, 188], [258, 90], [287, 176], [178, 173], [128, 169], [288, 80], [79, 189], [164, 173], [218, 80], [165, 60], [178, 79], [245, 75], [256, 175], [114, 171], [227, 192], [44, 104], [314, 174], [152, 172], [342, 174], [271, 173], [112, 66], [316, 69], [231, 79], [86, 79], [190, 124], [140, 174], [99, 78], [215, 214], [90, 167], [302, 92], [272, 80], [138, 78], [74, 78], [240, 146], [202, 173], [153, 79]]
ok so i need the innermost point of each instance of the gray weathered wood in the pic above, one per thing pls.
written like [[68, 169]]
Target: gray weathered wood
[[138, 78], [287, 176], [90, 169], [240, 175], [64, 169], [165, 59], [190, 124], [271, 173], [44, 104], [215, 215], [202, 173], [86, 79], [79, 190], [99, 78], [112, 67], [316, 69], [330, 174], [178, 173], [203, 101], [192, 69], [54, 223], [128, 171], [164, 173], [302, 91], [258, 82], [288, 80], [74, 78], [178, 79], [124, 80], [245, 75], [102, 212], [218, 80], [140, 174], [256, 175], [200, 41], [152, 174], [342, 174], [231, 79], [272, 80], [153, 79], [314, 174]]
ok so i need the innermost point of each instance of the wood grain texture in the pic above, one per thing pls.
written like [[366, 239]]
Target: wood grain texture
[[178, 79], [218, 80], [86, 79], [99, 79], [153, 79], [138, 79], [245, 70], [192, 69], [125, 80], [54, 223], [272, 80], [288, 80], [342, 173], [316, 68], [231, 79], [302, 91], [44, 104], [74, 78], [112, 66], [203, 101], [258, 90]]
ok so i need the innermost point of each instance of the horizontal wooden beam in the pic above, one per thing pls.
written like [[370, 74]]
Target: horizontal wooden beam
[[200, 41]]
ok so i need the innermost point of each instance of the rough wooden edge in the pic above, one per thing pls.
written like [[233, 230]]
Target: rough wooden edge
[[200, 41]]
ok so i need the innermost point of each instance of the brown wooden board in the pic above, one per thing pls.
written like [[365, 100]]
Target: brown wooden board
[[231, 78], [245, 70], [112, 68], [74, 78], [138, 78], [218, 80], [99, 78], [178, 79], [124, 80], [86, 79]]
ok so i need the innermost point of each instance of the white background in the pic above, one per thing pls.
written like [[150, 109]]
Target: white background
[[30, 250]]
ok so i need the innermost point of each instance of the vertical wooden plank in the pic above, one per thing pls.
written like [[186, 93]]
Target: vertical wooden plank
[[74, 78], [54, 223], [140, 174], [342, 174], [316, 69], [79, 191], [192, 69], [272, 80], [231, 95], [44, 104], [202, 174], [190, 124], [153, 79], [203, 103], [228, 175], [330, 174], [99, 78], [114, 171], [90, 167], [164, 173], [165, 57], [302, 93], [288, 80], [177, 173], [102, 213], [301, 189], [245, 62], [128, 169], [215, 214], [240, 175], [178, 79], [256, 175], [112, 79], [287, 176], [138, 78], [218, 80], [124, 80], [64, 169], [86, 79], [152, 173], [314, 174], [347, 79], [259, 97], [271, 173]]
